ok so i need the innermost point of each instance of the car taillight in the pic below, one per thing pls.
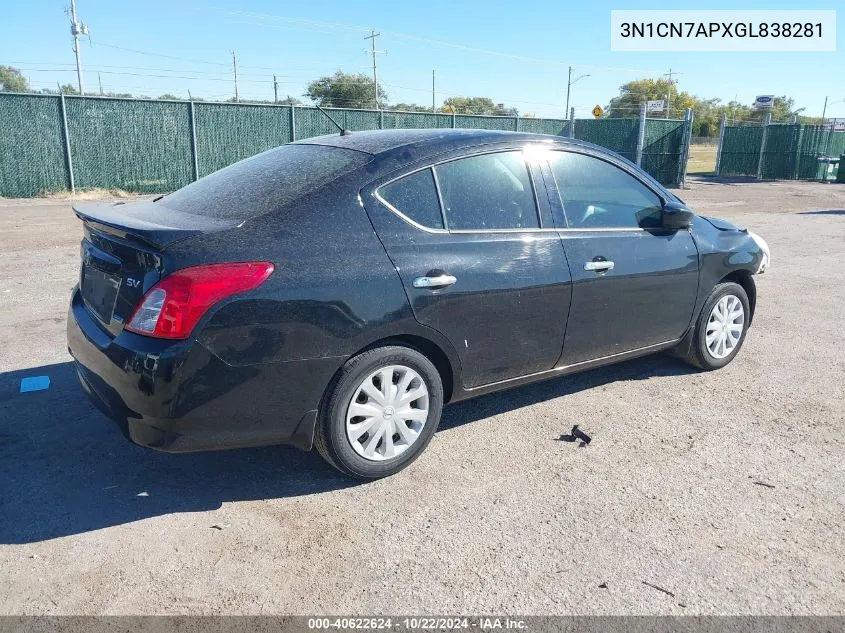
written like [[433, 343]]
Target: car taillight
[[172, 307]]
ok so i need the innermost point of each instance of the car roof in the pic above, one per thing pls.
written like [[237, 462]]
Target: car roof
[[428, 141], [393, 148]]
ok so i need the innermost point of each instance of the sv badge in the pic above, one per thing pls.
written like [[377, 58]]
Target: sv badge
[[133, 283]]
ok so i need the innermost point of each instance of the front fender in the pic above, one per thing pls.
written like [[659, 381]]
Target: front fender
[[725, 250]]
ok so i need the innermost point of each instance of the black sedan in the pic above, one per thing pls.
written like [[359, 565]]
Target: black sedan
[[339, 291]]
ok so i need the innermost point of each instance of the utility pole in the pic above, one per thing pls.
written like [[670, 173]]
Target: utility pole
[[432, 92], [77, 28], [235, 66], [669, 94], [100, 80], [568, 86], [372, 37], [569, 83], [275, 90]]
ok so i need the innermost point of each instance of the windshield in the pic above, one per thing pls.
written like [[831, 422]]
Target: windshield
[[264, 182]]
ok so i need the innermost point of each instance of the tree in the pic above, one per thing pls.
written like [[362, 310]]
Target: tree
[[289, 101], [68, 89], [169, 97], [343, 90], [637, 92], [781, 110], [468, 105], [410, 107], [476, 105], [707, 111], [11, 80]]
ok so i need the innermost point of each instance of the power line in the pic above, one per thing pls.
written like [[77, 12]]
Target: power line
[[241, 79], [137, 52], [338, 102], [226, 79], [263, 17], [38, 66], [196, 61]]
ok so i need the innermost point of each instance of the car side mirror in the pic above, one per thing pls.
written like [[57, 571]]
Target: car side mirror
[[676, 216]]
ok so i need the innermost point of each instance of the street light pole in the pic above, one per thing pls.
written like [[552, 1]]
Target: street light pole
[[569, 83], [824, 110], [235, 67], [568, 87]]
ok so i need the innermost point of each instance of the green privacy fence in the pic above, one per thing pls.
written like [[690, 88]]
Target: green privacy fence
[[52, 143], [778, 151], [620, 135], [665, 149], [112, 145], [32, 152]]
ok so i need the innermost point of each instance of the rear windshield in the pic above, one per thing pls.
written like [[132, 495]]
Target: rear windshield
[[264, 182]]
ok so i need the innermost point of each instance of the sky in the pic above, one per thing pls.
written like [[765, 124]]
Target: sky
[[516, 53]]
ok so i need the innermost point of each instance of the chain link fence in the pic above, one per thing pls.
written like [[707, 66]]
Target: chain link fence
[[32, 150], [54, 143], [665, 147], [779, 151]]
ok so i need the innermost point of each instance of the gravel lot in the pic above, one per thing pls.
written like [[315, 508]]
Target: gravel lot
[[725, 489]]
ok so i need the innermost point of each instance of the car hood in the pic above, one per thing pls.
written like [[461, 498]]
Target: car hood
[[723, 225]]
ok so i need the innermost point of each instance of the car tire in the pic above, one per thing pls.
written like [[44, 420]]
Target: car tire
[[373, 444], [716, 323]]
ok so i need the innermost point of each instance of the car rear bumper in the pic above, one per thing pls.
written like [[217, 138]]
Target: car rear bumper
[[177, 396]]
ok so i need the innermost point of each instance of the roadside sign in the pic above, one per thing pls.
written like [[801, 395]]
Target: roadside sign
[[764, 102], [655, 106], [597, 111]]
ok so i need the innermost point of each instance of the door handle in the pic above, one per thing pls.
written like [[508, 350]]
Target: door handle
[[600, 266], [432, 283]]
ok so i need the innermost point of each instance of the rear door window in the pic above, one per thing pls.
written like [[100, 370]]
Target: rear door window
[[415, 197], [264, 182], [488, 192]]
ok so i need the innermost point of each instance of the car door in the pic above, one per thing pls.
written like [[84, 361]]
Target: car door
[[478, 263], [634, 283]]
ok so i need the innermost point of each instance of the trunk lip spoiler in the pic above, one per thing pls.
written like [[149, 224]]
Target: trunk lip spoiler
[[155, 225]]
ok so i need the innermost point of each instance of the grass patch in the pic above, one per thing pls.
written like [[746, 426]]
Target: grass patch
[[88, 194], [702, 159]]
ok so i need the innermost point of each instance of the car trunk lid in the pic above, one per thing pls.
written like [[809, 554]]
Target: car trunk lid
[[122, 253]]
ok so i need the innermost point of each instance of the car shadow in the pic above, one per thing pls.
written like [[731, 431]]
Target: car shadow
[[823, 212], [504, 401], [65, 469]]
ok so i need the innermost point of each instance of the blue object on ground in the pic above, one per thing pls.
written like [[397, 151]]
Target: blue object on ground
[[35, 383]]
